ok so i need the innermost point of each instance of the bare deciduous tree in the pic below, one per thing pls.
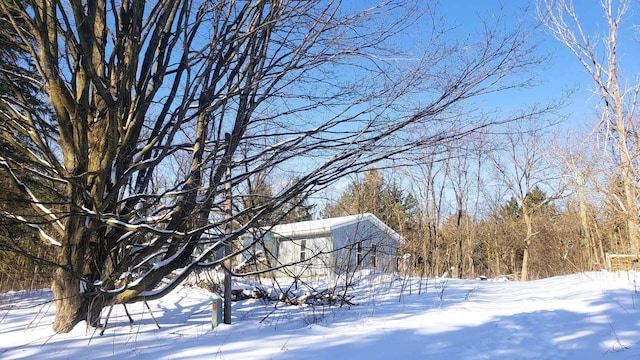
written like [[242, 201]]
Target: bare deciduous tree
[[523, 168], [599, 56], [578, 161], [155, 102]]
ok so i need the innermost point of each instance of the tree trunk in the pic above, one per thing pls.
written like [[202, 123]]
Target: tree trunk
[[81, 258], [524, 273], [622, 128], [586, 236], [69, 301], [469, 255], [72, 304], [460, 257], [426, 257], [632, 225]]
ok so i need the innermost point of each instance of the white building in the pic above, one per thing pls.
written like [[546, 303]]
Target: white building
[[335, 245]]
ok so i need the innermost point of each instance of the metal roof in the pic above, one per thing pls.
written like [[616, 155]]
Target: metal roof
[[323, 226]]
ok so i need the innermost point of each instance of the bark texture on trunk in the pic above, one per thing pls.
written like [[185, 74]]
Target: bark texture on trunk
[[75, 302], [70, 302]]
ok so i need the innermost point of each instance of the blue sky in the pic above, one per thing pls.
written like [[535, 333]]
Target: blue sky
[[564, 72]]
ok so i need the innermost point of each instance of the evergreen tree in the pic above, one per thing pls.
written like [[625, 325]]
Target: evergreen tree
[[535, 201], [260, 194], [20, 85], [511, 210], [376, 195], [298, 209]]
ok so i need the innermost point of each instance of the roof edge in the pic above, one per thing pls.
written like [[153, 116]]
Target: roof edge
[[312, 227]]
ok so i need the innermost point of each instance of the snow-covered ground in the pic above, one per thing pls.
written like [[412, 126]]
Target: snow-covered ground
[[582, 316]]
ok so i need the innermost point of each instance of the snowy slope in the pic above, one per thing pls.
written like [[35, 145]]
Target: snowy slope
[[581, 316]]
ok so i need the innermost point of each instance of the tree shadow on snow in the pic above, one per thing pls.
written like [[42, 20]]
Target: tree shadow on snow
[[454, 323]]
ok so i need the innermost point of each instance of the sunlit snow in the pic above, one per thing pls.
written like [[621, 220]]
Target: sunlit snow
[[592, 315]]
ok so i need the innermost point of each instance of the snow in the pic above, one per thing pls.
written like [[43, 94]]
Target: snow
[[133, 228], [593, 315], [43, 235]]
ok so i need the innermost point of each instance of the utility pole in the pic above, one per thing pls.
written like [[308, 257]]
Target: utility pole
[[227, 246]]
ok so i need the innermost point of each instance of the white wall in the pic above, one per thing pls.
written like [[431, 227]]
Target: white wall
[[317, 252], [336, 251], [346, 239]]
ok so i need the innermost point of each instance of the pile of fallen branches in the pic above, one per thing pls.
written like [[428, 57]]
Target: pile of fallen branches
[[326, 297]]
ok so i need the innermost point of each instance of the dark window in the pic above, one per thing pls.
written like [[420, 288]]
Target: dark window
[[373, 255], [359, 252], [303, 250]]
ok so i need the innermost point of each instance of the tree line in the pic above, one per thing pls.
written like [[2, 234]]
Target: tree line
[[489, 240]]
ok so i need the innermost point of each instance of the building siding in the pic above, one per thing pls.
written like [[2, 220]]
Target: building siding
[[331, 246], [318, 255]]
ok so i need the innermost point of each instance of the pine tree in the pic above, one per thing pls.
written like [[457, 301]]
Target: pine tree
[[383, 198]]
